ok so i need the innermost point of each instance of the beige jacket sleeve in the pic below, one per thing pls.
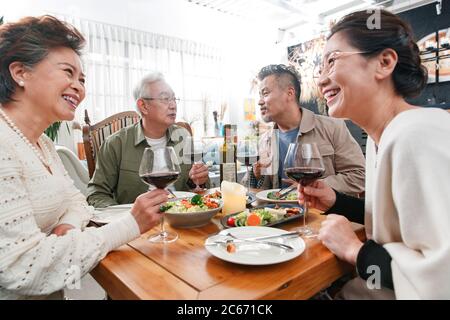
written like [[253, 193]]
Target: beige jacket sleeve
[[349, 163]]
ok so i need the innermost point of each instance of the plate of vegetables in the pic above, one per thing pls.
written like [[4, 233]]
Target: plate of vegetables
[[191, 212], [218, 195], [268, 215], [273, 195]]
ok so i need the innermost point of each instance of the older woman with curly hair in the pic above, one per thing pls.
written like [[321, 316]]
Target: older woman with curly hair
[[44, 245]]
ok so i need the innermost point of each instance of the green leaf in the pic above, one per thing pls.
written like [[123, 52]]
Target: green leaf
[[52, 131], [165, 207], [197, 200]]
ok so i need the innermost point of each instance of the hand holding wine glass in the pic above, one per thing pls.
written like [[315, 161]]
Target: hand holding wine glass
[[159, 168], [264, 163], [247, 154], [145, 209], [318, 195], [304, 164], [199, 171]]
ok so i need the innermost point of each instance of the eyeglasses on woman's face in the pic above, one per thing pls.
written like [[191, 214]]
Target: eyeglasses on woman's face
[[327, 66]]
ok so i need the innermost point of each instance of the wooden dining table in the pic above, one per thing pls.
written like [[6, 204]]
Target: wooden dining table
[[184, 269]]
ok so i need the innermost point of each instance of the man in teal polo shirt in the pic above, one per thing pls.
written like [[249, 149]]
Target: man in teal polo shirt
[[116, 177]]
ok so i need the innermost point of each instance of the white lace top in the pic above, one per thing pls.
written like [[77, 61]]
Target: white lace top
[[33, 262]]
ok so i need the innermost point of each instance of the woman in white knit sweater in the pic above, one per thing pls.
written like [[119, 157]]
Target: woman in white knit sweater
[[366, 75], [44, 245]]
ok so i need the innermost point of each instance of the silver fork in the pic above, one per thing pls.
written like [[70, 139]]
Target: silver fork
[[275, 244], [285, 192]]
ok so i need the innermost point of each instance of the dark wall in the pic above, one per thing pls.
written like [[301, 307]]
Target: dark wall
[[424, 20]]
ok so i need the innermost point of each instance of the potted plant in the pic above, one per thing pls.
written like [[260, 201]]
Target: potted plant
[[52, 130]]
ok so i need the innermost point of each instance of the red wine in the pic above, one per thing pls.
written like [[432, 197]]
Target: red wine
[[196, 157], [304, 175], [248, 160], [160, 179]]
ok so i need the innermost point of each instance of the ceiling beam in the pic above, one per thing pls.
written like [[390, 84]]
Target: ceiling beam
[[343, 7], [286, 6], [307, 17], [408, 5]]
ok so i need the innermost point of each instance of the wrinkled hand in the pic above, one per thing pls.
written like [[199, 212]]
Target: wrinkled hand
[[318, 195], [258, 165], [337, 234], [290, 182], [62, 229], [199, 173], [146, 209]]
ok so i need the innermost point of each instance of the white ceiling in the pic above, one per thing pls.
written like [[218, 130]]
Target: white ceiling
[[296, 17]]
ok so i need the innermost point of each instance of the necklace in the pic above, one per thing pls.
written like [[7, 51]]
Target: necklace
[[40, 155]]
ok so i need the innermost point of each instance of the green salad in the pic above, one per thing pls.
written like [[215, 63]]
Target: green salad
[[195, 204], [265, 217], [261, 216], [275, 195]]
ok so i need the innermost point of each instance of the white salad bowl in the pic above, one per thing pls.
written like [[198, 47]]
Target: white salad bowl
[[192, 219]]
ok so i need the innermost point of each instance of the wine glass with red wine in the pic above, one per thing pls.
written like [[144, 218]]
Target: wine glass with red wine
[[159, 168], [196, 159], [247, 154], [193, 153], [304, 164]]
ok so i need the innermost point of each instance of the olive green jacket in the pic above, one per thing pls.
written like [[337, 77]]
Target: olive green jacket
[[116, 177]]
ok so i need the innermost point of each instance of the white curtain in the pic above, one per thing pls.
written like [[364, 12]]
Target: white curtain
[[117, 57]]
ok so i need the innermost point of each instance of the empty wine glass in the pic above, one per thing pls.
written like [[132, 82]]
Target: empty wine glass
[[159, 168], [304, 164]]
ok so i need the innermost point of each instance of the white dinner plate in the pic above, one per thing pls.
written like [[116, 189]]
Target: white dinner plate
[[262, 195], [183, 194], [112, 213], [254, 253], [116, 207]]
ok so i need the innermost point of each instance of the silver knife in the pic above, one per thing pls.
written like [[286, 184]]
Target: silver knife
[[275, 244], [293, 234]]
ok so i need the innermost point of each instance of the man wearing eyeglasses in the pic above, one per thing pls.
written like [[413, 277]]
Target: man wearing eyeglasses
[[116, 177], [280, 104]]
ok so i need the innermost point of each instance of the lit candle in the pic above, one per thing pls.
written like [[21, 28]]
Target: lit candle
[[233, 196]]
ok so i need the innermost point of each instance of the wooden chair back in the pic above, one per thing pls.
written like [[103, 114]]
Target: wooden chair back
[[95, 135], [184, 125]]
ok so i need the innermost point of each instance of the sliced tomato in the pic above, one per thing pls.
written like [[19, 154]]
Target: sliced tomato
[[253, 220], [186, 203], [211, 204], [231, 222]]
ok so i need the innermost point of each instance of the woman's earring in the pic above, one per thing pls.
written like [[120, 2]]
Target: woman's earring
[[21, 83]]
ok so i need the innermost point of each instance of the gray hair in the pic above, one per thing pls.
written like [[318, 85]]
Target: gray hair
[[140, 90]]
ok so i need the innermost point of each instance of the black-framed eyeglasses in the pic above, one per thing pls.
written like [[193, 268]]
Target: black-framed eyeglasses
[[164, 100]]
